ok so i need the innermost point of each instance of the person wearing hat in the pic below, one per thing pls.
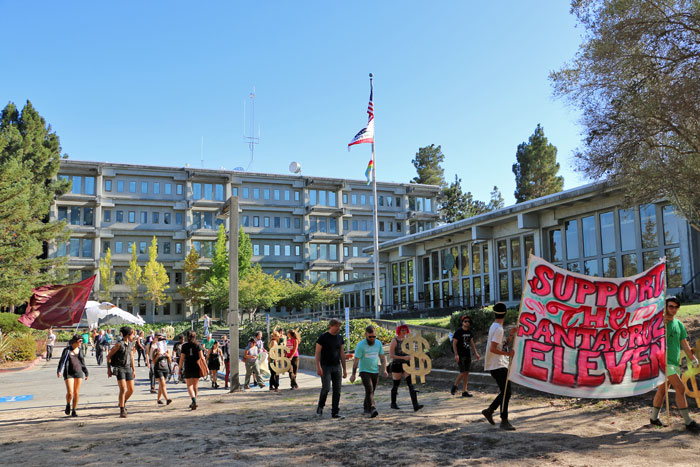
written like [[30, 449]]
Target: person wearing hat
[[676, 339], [496, 363], [398, 358]]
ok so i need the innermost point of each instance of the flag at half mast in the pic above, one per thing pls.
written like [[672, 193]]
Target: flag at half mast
[[366, 135]]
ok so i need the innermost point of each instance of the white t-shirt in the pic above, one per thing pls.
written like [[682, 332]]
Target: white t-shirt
[[492, 360], [52, 339]]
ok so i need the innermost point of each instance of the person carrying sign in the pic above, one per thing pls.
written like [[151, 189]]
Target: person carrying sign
[[676, 339], [496, 362]]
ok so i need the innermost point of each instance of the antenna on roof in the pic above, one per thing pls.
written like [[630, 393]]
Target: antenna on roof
[[252, 140]]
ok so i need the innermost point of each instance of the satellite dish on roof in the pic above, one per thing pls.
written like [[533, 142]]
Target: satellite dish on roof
[[295, 167], [239, 169]]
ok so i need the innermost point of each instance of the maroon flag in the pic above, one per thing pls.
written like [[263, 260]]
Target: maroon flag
[[57, 305]]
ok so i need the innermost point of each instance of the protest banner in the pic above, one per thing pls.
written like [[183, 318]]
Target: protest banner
[[594, 337]]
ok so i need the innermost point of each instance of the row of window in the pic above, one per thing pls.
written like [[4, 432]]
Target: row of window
[[267, 194], [155, 187], [178, 276], [165, 247], [275, 250], [271, 221], [208, 191], [81, 185]]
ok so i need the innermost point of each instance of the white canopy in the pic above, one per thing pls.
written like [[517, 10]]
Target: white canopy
[[95, 311]]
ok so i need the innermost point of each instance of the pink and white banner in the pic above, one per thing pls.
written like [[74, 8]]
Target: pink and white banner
[[584, 336]]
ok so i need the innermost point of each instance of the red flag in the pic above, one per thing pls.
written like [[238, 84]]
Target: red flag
[[57, 305]]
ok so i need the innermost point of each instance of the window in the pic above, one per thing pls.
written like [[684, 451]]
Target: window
[[75, 247], [354, 199], [178, 278], [296, 196], [178, 248], [144, 187], [142, 247], [266, 250], [107, 214], [144, 217], [345, 198], [266, 193], [589, 236], [355, 251], [235, 191], [286, 195], [209, 191], [156, 217], [166, 218], [166, 248], [607, 232], [297, 223], [256, 221], [132, 187], [132, 217], [287, 222], [398, 226], [108, 185], [219, 192], [312, 197], [277, 223], [333, 225], [389, 201], [671, 225], [75, 215], [363, 199], [266, 221], [381, 226], [120, 216], [118, 278], [322, 197], [381, 200], [277, 250], [287, 250], [256, 193], [647, 218], [180, 189], [88, 216], [354, 225], [87, 248], [627, 233], [297, 250], [62, 213], [197, 191], [156, 188], [197, 220], [76, 186], [207, 220], [178, 218], [120, 186], [245, 192], [246, 221], [276, 194], [168, 189]]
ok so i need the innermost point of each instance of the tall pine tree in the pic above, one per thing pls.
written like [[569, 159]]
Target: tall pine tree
[[427, 164], [536, 168]]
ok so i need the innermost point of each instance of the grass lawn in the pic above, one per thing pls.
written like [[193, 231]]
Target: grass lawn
[[443, 322], [691, 309]]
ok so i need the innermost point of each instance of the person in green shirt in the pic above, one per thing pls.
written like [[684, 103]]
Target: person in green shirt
[[208, 341], [676, 339]]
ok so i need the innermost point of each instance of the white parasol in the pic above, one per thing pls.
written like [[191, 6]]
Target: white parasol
[[95, 311]]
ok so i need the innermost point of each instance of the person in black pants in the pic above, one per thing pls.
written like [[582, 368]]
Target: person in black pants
[[72, 365], [99, 342], [330, 365], [496, 362]]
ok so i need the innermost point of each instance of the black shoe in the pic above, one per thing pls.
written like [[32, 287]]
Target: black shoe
[[395, 407], [416, 408], [338, 416], [67, 411], [488, 415], [453, 391], [122, 412], [73, 414], [693, 427], [657, 422], [505, 425], [374, 413], [160, 402], [168, 401], [466, 394], [153, 391], [319, 412]]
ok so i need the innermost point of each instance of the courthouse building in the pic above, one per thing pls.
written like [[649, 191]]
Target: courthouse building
[[483, 259], [304, 227]]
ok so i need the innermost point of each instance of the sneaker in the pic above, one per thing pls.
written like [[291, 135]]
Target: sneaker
[[417, 407], [395, 406], [374, 413], [453, 391], [338, 416], [73, 414], [488, 415], [67, 411], [657, 422], [160, 402], [168, 401], [319, 412], [505, 425], [466, 394], [693, 427]]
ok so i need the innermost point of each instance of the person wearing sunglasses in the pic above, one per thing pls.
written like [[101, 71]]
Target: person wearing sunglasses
[[462, 345], [676, 339], [367, 355]]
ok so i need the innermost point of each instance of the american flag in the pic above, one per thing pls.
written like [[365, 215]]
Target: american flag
[[366, 135]]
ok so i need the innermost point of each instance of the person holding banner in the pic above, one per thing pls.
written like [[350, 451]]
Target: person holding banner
[[676, 339], [496, 362]]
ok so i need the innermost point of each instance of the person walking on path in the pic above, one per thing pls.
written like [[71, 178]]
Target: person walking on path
[[190, 353], [398, 358], [292, 354], [214, 363], [496, 363], [160, 358], [141, 348], [120, 362], [175, 372], [676, 339], [72, 366], [462, 344], [226, 352], [50, 342], [367, 355], [330, 366], [207, 323], [85, 342], [250, 357], [98, 343], [274, 377]]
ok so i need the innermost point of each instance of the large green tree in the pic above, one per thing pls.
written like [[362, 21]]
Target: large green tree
[[427, 164], [30, 156], [154, 277], [259, 291], [536, 168], [106, 276], [636, 81], [132, 277], [245, 253], [456, 205], [195, 278], [308, 295]]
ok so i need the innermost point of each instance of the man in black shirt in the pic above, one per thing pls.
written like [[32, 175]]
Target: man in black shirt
[[462, 341], [330, 364]]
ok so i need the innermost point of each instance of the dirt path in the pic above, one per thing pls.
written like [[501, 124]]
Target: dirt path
[[276, 429]]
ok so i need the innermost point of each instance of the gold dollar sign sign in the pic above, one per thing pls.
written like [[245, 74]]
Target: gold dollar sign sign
[[420, 364], [169, 332], [689, 376], [279, 363]]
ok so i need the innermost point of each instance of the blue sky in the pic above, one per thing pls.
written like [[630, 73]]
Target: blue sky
[[143, 82]]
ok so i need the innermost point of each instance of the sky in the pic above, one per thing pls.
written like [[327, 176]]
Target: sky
[[165, 83]]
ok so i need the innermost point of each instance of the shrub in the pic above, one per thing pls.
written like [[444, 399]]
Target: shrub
[[22, 348], [9, 324], [437, 351], [5, 347], [481, 319]]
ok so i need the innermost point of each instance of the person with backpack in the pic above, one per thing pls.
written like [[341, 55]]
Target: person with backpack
[[120, 362], [190, 354]]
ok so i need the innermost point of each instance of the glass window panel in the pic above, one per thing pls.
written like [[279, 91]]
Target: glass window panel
[[486, 261], [426, 269], [120, 186], [476, 260], [144, 187], [627, 234], [529, 245], [89, 188], [465, 260], [447, 263], [87, 248], [219, 195], [517, 284], [166, 218], [256, 193], [277, 250], [454, 252], [515, 257], [590, 267], [179, 189], [322, 197], [75, 215], [574, 267], [649, 258], [266, 250], [75, 247], [555, 245], [410, 271], [142, 247], [178, 218], [144, 217], [647, 217], [571, 229], [312, 197], [402, 277], [435, 265], [629, 264], [671, 225], [673, 268], [76, 186], [62, 213], [466, 294], [607, 232], [333, 252], [589, 240], [156, 217], [277, 222], [132, 217], [88, 216], [503, 286], [120, 216], [333, 225], [168, 189], [132, 187], [107, 215], [502, 247], [119, 247], [156, 187], [331, 198], [477, 293], [266, 193], [610, 267], [108, 185]]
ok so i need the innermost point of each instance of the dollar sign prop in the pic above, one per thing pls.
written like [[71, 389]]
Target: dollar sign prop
[[689, 376], [279, 363], [169, 332], [420, 364]]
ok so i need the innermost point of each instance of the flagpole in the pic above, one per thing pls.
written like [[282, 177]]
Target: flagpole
[[377, 295]]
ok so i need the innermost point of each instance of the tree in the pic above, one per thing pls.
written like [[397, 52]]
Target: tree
[[192, 289], [636, 80], [106, 276], [456, 205], [496, 201], [132, 278], [258, 291], [536, 168], [427, 164], [245, 253], [220, 264], [155, 278], [308, 295], [30, 156]]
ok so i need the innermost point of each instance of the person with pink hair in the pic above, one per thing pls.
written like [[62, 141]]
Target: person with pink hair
[[398, 358]]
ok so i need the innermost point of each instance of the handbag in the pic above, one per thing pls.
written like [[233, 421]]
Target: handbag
[[203, 368]]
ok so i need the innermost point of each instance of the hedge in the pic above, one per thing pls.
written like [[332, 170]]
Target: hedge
[[9, 324]]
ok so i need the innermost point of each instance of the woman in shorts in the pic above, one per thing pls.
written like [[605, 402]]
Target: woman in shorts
[[120, 362], [72, 365], [293, 355], [398, 358], [160, 357], [214, 363], [190, 353]]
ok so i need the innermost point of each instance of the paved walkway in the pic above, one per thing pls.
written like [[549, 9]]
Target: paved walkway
[[40, 388]]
